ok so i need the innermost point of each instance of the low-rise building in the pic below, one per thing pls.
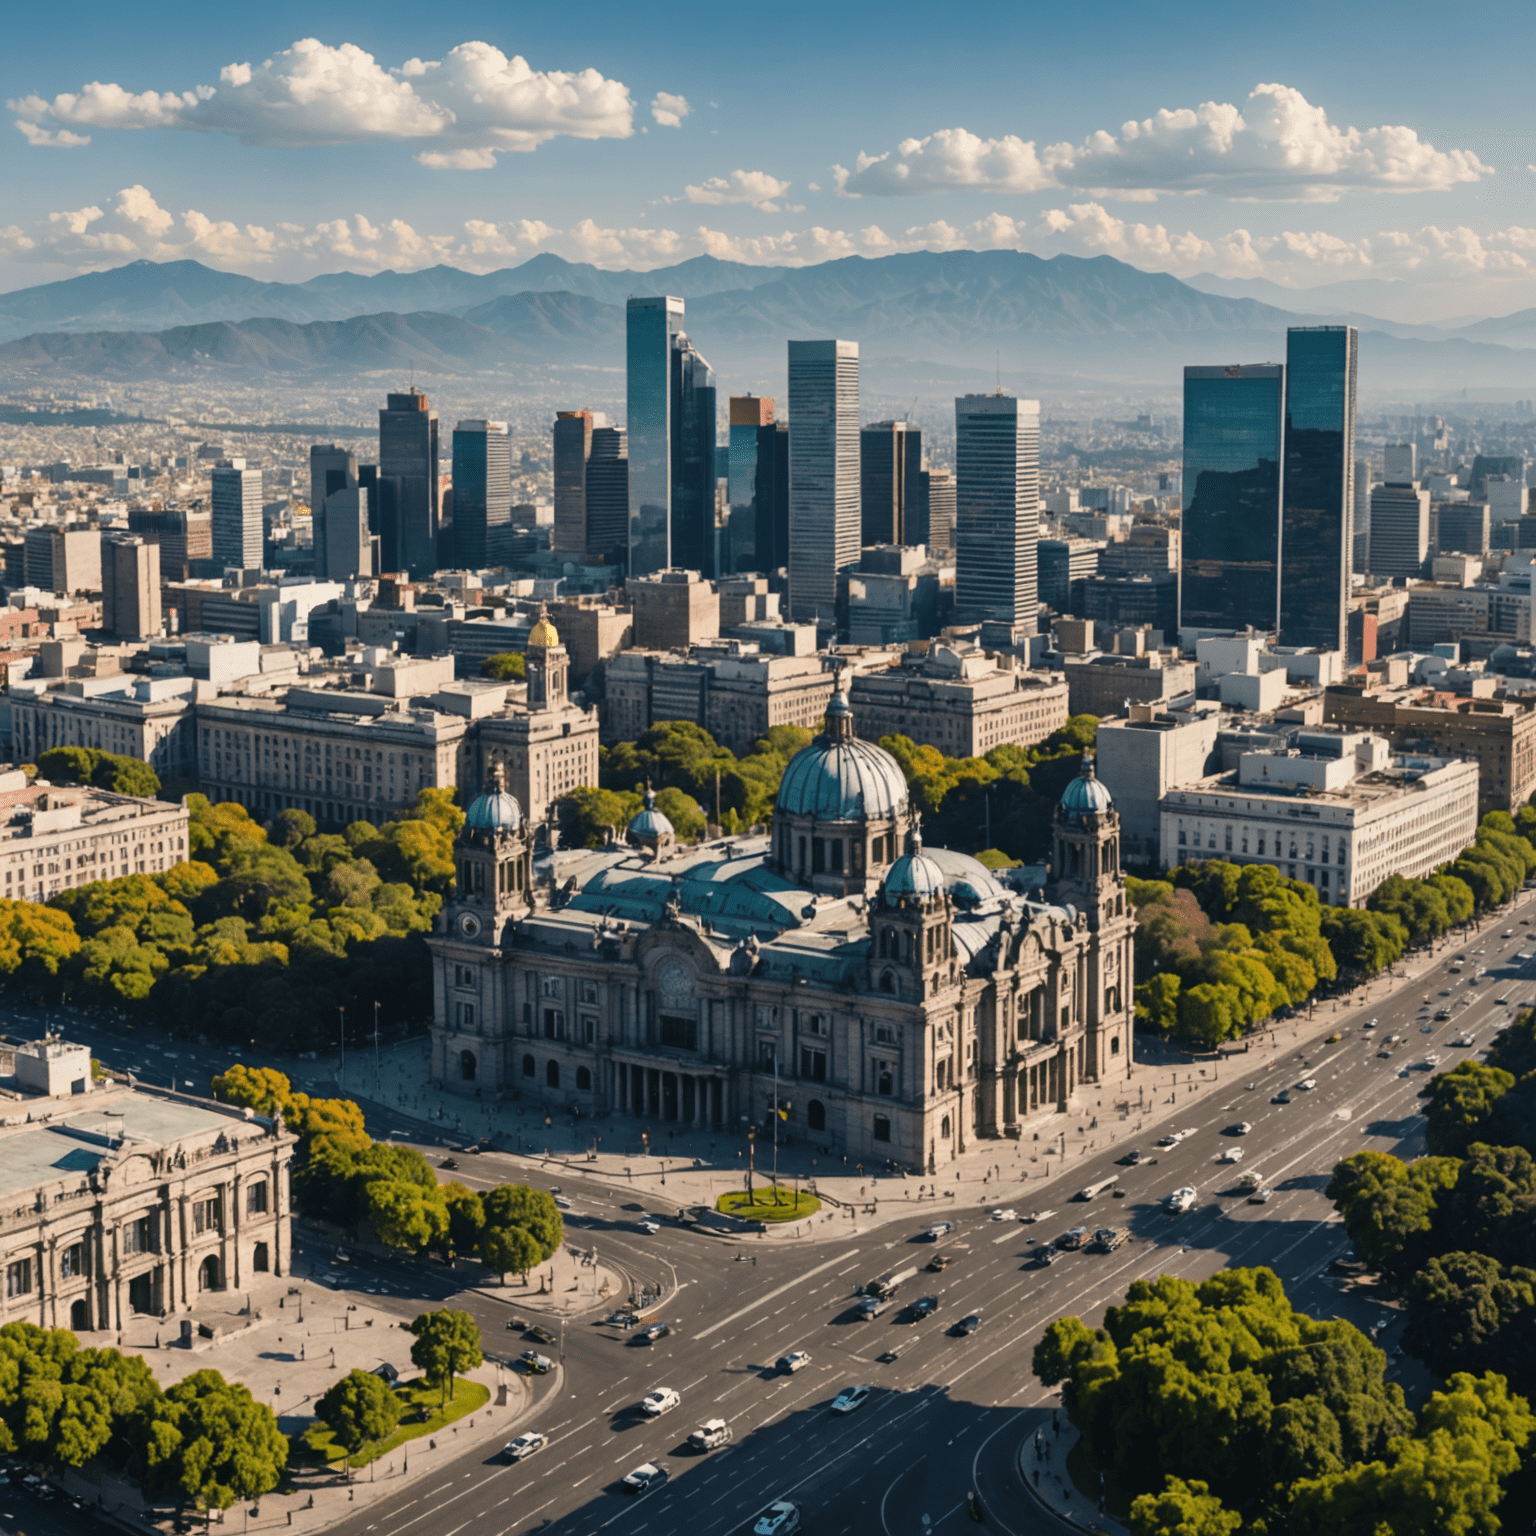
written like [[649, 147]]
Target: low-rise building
[[673, 609], [116, 1200], [1109, 684], [149, 718], [1142, 757], [1335, 810]]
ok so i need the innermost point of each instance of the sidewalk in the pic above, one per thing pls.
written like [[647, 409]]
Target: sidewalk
[[685, 1168], [1042, 1465]]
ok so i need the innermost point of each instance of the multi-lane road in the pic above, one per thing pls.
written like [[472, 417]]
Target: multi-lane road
[[947, 1413]]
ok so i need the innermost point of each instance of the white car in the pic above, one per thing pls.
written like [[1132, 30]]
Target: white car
[[939, 1229], [1369, 1024], [1180, 1200], [1242, 1127], [850, 1398], [1464, 1040], [1307, 1084], [645, 1477], [650, 1227], [1035, 1216], [710, 1435], [662, 1400], [524, 1445], [781, 1518], [1005, 1215], [797, 1360], [564, 1202], [1232, 1155], [1250, 1178]]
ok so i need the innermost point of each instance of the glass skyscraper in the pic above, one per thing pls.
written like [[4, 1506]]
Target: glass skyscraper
[[824, 512], [997, 509], [694, 473], [331, 469], [482, 494], [893, 492], [408, 455], [1317, 491], [1229, 571]]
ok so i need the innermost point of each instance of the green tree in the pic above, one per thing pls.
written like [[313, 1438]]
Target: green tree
[[683, 811], [447, 1344], [1157, 1003], [1208, 1014], [510, 1250], [505, 667], [208, 1442], [1468, 1312], [1389, 1208], [517, 1205], [291, 826], [1461, 1103], [359, 1410], [586, 814], [406, 1215], [466, 1217], [1182, 1509]]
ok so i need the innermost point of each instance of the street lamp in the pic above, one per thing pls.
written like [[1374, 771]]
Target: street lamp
[[343, 1013]]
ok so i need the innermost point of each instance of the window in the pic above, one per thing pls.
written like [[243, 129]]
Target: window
[[528, 1066], [882, 1128], [256, 1198], [139, 1236], [816, 1115], [554, 1024], [72, 1262], [813, 1064], [1114, 1046], [884, 1079], [463, 975], [584, 1079], [207, 1216], [767, 1054], [466, 1015], [589, 1029], [887, 982], [885, 1034], [818, 855], [815, 1024], [554, 986], [1183, 839], [259, 1259], [18, 1278], [680, 1033], [589, 991], [552, 1074]]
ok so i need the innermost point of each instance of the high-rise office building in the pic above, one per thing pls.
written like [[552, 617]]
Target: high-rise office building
[[182, 534], [651, 327], [1360, 559], [997, 509], [695, 475], [384, 517], [130, 587], [331, 469], [482, 494], [759, 485], [1463, 528], [1399, 530], [408, 454], [572, 441], [824, 518], [236, 506], [1400, 463], [1317, 497], [1229, 572], [348, 544], [939, 493], [608, 496], [894, 504], [1509, 465]]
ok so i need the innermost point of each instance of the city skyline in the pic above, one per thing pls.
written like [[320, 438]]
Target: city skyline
[[462, 141]]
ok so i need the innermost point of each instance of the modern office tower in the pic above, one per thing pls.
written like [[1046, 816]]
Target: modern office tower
[[1229, 573], [1399, 463], [997, 509], [1317, 497], [695, 474], [384, 493], [408, 455], [1064, 566], [823, 473], [608, 496], [349, 546], [893, 507], [183, 536], [939, 493], [130, 587], [1360, 556], [759, 485], [331, 469], [62, 559], [1509, 465], [482, 494], [1508, 500], [572, 438], [1399, 530], [1463, 528], [651, 329], [236, 503]]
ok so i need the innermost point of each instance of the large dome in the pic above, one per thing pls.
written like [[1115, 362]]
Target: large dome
[[840, 778], [1086, 795], [496, 810]]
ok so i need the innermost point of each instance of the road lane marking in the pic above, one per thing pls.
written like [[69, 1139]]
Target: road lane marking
[[773, 1295]]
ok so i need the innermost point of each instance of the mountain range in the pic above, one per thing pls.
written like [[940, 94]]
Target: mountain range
[[1068, 318]]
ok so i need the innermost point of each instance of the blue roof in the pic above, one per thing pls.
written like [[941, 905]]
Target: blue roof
[[848, 780], [495, 812], [1086, 795]]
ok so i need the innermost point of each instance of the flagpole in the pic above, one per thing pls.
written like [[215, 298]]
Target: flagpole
[[775, 1125]]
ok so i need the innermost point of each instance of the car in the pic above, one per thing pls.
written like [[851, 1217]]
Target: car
[[781, 1518], [1107, 1239], [645, 1477], [1464, 1040], [651, 1332], [1044, 1256], [797, 1360], [1508, 933], [1240, 1129], [1369, 1024], [450, 1163], [710, 1435], [1522, 955], [535, 1363], [938, 1263], [1445, 992], [539, 1335], [649, 1227], [1386, 1050], [851, 1398], [618, 1320], [1261, 1196], [1073, 1239], [1442, 1014], [524, 1445], [1231, 1155], [1307, 1084], [1130, 1159], [662, 1400], [1283, 1097], [1035, 1216], [564, 1202], [967, 1325], [1170, 1140], [1008, 1214], [872, 1306], [1250, 1178], [937, 1230], [1501, 1002], [1180, 1200], [1432, 1060], [924, 1306], [1426, 1029], [1333, 1039]]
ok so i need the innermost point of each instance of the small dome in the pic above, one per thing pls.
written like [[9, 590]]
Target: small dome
[[840, 778], [544, 635], [914, 874], [1085, 795], [496, 810], [649, 826]]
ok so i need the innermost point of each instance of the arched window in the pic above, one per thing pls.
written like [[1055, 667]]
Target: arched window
[[816, 1115], [584, 1079], [944, 1128], [552, 1074], [467, 1066], [1114, 1046], [884, 1083], [887, 982], [208, 1278], [528, 1066]]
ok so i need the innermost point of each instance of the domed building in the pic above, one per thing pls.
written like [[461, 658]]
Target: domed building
[[913, 1001]]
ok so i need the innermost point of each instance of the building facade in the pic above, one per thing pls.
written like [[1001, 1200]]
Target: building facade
[[482, 494], [410, 494], [892, 492], [1399, 530], [997, 509], [651, 325], [130, 587], [235, 528], [331, 469], [672, 609], [146, 718], [906, 1004], [824, 511]]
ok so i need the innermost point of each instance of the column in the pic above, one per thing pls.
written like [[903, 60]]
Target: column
[[188, 1290], [229, 1228]]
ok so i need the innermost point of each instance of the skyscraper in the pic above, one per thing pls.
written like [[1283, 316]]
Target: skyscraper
[[348, 546], [694, 474], [1399, 530], [759, 480], [651, 325], [824, 517], [130, 587], [892, 491], [997, 509], [1229, 573], [1317, 497], [608, 495], [1360, 559], [236, 504], [572, 442], [482, 494], [331, 469], [408, 455], [939, 491]]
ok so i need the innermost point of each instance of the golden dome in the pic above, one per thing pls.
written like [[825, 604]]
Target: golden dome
[[544, 634]]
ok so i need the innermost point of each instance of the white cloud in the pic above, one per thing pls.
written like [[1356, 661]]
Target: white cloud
[[44, 138], [669, 110], [473, 104], [755, 187], [1279, 148]]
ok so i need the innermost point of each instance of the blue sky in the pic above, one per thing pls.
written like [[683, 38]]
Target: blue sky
[[1304, 144]]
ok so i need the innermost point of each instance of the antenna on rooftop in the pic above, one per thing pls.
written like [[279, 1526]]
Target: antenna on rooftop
[[999, 356]]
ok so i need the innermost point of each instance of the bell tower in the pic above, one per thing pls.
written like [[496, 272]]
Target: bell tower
[[910, 941], [1085, 850], [493, 867], [548, 666]]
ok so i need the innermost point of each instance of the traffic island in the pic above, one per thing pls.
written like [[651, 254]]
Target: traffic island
[[768, 1204]]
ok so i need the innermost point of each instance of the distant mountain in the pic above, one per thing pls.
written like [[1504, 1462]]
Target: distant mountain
[[1516, 330]]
